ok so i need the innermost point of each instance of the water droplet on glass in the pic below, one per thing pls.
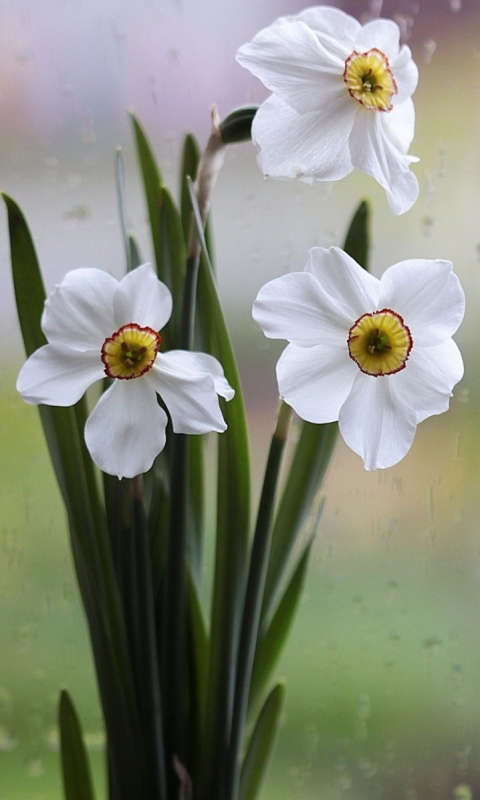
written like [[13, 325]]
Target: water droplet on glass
[[432, 644], [462, 792], [52, 740], [428, 224], [35, 767], [8, 742], [429, 48], [94, 740]]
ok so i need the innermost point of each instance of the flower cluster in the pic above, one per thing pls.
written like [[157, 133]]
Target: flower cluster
[[376, 355], [97, 326]]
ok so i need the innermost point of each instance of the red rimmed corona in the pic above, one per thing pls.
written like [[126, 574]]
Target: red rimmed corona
[[130, 352], [370, 80], [380, 343]]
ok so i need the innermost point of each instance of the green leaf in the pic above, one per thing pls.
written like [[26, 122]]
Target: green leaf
[[253, 600], [307, 470], [166, 232], [152, 181], [233, 522], [77, 780], [190, 159], [120, 183], [274, 637], [261, 744], [63, 429], [357, 240], [27, 280], [199, 646], [135, 254], [196, 506], [172, 261]]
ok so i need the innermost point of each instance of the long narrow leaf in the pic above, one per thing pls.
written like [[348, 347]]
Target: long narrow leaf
[[173, 259], [190, 159], [261, 744], [122, 212], [77, 780], [309, 464], [152, 181], [271, 645], [233, 520], [89, 539], [252, 605], [357, 240], [198, 649]]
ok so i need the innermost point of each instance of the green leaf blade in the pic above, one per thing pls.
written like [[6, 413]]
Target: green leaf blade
[[261, 744], [190, 159], [233, 524], [77, 779], [357, 240], [152, 181], [27, 279], [275, 635], [63, 428]]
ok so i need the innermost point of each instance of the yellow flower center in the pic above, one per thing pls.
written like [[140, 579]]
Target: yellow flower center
[[380, 343], [370, 80], [130, 352]]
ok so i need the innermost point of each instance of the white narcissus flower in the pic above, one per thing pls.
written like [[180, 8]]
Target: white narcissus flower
[[376, 355], [98, 326], [341, 99]]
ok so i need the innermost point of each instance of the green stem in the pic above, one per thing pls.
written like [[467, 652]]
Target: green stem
[[253, 601]]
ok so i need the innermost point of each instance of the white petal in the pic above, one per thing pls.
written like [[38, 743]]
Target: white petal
[[143, 299], [428, 295], [202, 363], [384, 34], [334, 25], [305, 146], [58, 376], [295, 307], [126, 429], [376, 423], [353, 290], [399, 124], [79, 313], [190, 397], [427, 381], [405, 72], [290, 61], [315, 381], [374, 151]]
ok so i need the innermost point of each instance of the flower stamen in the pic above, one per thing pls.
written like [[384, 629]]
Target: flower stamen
[[380, 343], [370, 80], [130, 352]]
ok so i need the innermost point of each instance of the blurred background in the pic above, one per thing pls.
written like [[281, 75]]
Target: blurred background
[[383, 667]]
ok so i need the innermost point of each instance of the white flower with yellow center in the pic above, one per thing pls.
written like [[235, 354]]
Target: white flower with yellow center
[[97, 326], [376, 355], [341, 99]]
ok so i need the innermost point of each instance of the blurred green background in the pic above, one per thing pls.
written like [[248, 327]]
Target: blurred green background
[[383, 667]]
